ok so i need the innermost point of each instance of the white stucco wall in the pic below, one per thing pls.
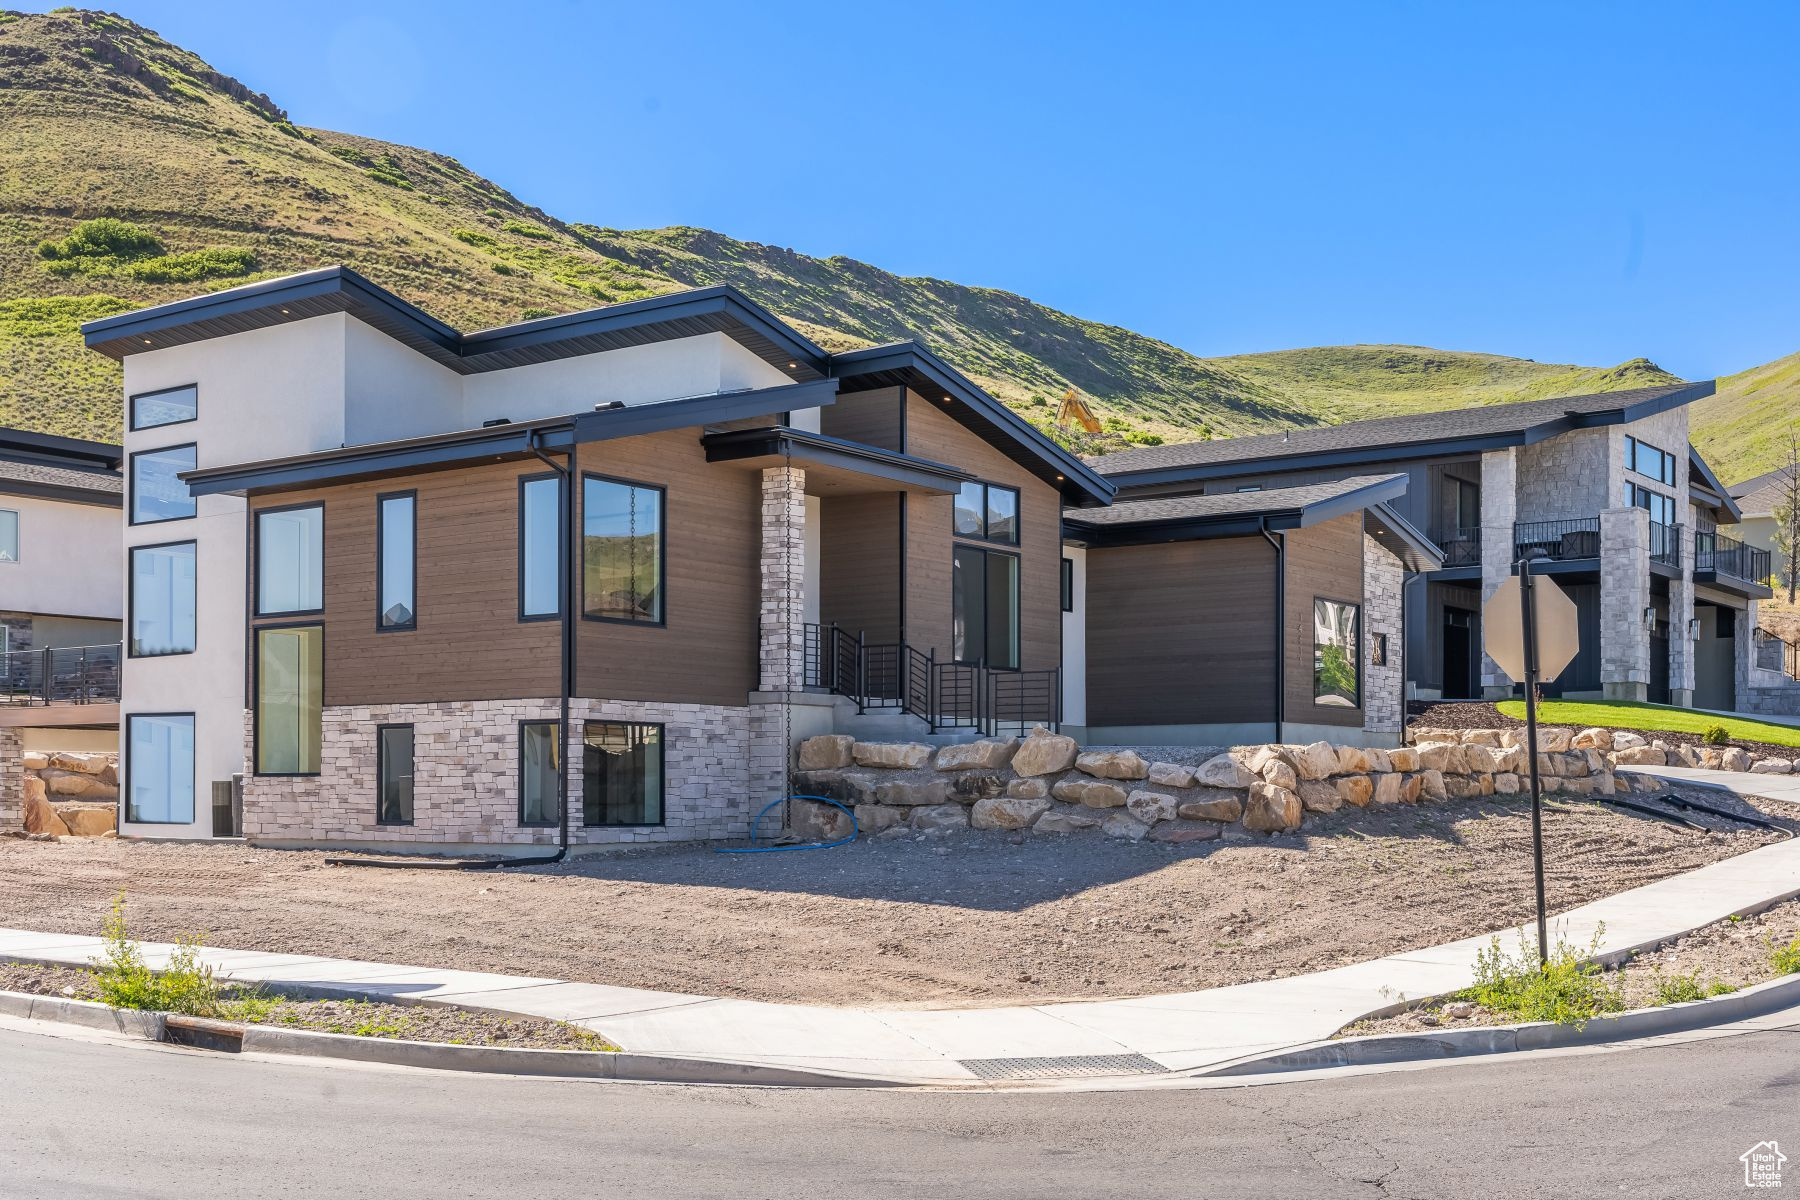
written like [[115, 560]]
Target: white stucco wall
[[392, 391], [68, 560]]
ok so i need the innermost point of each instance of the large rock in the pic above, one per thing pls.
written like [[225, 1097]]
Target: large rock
[[827, 752], [1181, 833], [1482, 758], [1426, 785], [1506, 784], [1352, 760], [1256, 759], [1280, 772], [1320, 796], [1388, 788], [1213, 804], [1593, 739], [1356, 790], [1736, 759], [970, 786], [817, 822], [913, 793], [842, 786], [87, 764], [1222, 771], [75, 784], [1171, 775], [939, 817], [1090, 792], [1480, 737], [1625, 739], [1638, 756], [1124, 825], [1004, 812], [1315, 761], [1448, 757], [1066, 820], [872, 819], [41, 818], [1271, 809], [1553, 740], [1151, 807], [906, 756], [1403, 758], [35, 788], [1379, 759], [1028, 789], [34, 760], [1772, 766], [987, 754], [1044, 754], [1112, 764]]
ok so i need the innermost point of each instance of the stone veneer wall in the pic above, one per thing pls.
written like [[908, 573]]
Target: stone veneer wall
[[12, 780], [783, 614], [1499, 498], [1383, 686], [1624, 594], [18, 630]]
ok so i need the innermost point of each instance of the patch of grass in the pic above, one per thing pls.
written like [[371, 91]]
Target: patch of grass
[[1651, 717], [184, 986], [388, 177], [1569, 990], [55, 316], [102, 237], [1680, 989], [527, 229], [214, 262]]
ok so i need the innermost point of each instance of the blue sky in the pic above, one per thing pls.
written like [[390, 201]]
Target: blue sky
[[1568, 182]]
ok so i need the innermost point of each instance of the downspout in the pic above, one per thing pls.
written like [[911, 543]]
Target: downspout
[[1407, 578], [1280, 544]]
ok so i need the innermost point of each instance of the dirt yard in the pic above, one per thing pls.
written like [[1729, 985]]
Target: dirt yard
[[967, 919]]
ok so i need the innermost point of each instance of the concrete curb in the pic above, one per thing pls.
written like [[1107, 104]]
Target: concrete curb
[[1386, 1049], [86, 1013]]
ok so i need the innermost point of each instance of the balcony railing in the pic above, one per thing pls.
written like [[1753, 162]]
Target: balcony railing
[[1665, 544], [1727, 556], [945, 695], [1557, 540], [60, 675], [1461, 545]]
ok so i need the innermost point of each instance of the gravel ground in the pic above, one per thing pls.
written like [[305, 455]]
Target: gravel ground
[[1725, 957], [1481, 714], [966, 919], [408, 1022]]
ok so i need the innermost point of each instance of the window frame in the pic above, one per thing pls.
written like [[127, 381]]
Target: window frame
[[562, 543], [1066, 581], [131, 484], [131, 419], [561, 771], [1018, 611], [18, 534], [129, 761], [131, 597], [256, 632], [985, 536], [662, 770], [1356, 654], [662, 549], [1665, 460], [381, 760], [381, 500], [256, 596]]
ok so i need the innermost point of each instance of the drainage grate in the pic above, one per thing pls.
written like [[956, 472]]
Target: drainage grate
[[1073, 1066]]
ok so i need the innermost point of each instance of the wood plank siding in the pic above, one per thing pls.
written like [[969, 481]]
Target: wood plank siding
[[1182, 633], [1324, 561], [859, 553], [874, 418]]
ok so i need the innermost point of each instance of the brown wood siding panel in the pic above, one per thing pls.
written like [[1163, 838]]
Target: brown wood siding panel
[[707, 651], [1326, 562], [470, 644], [873, 418], [1181, 633], [932, 434], [859, 564]]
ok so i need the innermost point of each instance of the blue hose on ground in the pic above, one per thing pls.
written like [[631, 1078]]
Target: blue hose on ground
[[754, 825]]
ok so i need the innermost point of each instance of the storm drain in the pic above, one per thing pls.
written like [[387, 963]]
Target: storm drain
[[1073, 1066]]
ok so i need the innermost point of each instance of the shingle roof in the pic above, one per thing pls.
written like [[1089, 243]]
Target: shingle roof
[[1482, 421], [1235, 504], [43, 475], [1760, 495]]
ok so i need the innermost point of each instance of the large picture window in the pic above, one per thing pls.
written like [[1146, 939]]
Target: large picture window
[[1660, 507], [984, 607], [540, 547], [290, 689], [290, 560], [397, 537], [539, 772], [621, 774], [159, 768], [394, 774], [621, 551], [157, 492], [1648, 461], [9, 536], [1337, 680], [171, 406], [987, 511], [162, 600]]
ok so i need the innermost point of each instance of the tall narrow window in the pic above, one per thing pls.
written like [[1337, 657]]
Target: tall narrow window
[[162, 600], [984, 607], [159, 768], [1336, 679], [171, 406], [9, 536], [394, 774], [539, 772], [621, 551], [396, 534], [290, 687], [290, 560], [540, 547], [1068, 585], [157, 491], [621, 774]]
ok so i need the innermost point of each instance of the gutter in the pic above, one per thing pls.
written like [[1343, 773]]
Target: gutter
[[1279, 542]]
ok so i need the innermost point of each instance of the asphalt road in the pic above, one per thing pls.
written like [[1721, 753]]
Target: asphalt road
[[81, 1120]]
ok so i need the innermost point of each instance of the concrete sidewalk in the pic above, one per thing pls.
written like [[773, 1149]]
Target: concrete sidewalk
[[1183, 1031]]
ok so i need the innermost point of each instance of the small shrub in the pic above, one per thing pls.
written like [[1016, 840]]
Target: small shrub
[[351, 154], [389, 178], [532, 314], [1138, 438], [1680, 989], [473, 237], [214, 262], [1569, 990], [1716, 735], [185, 986], [102, 237], [1785, 959], [527, 229]]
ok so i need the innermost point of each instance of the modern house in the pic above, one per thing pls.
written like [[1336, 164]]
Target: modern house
[[61, 600], [582, 579], [1760, 499], [1604, 493]]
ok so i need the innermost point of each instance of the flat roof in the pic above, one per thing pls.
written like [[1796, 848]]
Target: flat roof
[[50, 467], [1230, 514]]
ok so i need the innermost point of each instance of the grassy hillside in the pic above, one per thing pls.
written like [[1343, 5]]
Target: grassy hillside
[[101, 119], [1743, 430]]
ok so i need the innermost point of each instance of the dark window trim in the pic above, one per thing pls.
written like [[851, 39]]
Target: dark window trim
[[1357, 652], [662, 783], [662, 549], [131, 487], [1018, 515], [125, 775], [1019, 616], [256, 600], [1665, 460], [519, 759], [1067, 580], [131, 424], [380, 772], [256, 633], [381, 500], [131, 595], [562, 543]]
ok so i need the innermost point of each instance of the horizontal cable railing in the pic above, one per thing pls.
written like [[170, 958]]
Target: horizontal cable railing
[[60, 675], [1559, 540], [1665, 544], [1727, 556]]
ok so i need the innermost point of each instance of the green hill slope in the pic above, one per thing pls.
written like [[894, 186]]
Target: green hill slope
[[102, 119], [1743, 429]]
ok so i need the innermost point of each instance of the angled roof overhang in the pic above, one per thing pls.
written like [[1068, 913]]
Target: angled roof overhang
[[1415, 551], [1192, 518], [1702, 481], [777, 445]]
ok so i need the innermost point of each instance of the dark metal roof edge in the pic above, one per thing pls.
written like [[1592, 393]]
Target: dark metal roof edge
[[62, 492], [774, 440], [55, 446], [1695, 459], [1287, 516], [631, 420], [1427, 552]]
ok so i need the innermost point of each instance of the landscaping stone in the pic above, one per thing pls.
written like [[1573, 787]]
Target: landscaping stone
[[1625, 739], [913, 793], [1256, 759], [1183, 832], [1352, 760], [1379, 759], [1506, 784], [1212, 804], [1112, 764], [1387, 789], [872, 819], [1403, 758], [1044, 754], [1171, 775], [1315, 761], [1091, 793], [815, 822], [837, 785], [1272, 809], [1447, 757], [1222, 771], [906, 756], [826, 752], [1065, 820], [40, 818], [1483, 758], [87, 764], [1320, 796], [971, 786], [76, 784], [1593, 739], [1638, 756], [34, 760], [1278, 772], [1772, 766], [1004, 812], [1151, 807], [1430, 786], [1124, 825], [96, 820], [1028, 789], [1356, 790], [939, 817], [1553, 740], [987, 754], [1736, 758]]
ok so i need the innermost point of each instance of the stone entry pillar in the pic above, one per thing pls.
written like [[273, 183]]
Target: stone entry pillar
[[1624, 595], [1681, 612], [1499, 509], [12, 780], [783, 613]]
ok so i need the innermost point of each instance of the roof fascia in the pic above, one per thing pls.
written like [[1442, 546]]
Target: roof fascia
[[1725, 499], [633, 419], [386, 458], [1419, 552], [816, 449], [1359, 456], [61, 493]]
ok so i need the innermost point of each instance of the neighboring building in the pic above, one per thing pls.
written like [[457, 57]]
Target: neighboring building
[[582, 578], [1760, 499], [1605, 491], [60, 600]]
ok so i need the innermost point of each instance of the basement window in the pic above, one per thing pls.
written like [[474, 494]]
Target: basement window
[[394, 774], [621, 773]]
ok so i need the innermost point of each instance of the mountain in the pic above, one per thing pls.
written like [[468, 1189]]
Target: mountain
[[1744, 429], [132, 173]]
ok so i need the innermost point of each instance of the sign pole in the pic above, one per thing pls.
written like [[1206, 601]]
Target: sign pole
[[1531, 749]]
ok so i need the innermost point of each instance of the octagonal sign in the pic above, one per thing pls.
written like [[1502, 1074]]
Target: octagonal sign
[[1553, 622]]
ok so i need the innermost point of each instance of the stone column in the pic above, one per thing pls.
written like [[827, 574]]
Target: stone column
[[1499, 509], [783, 579], [1384, 685], [1681, 612], [1745, 647], [12, 780], [1624, 595]]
